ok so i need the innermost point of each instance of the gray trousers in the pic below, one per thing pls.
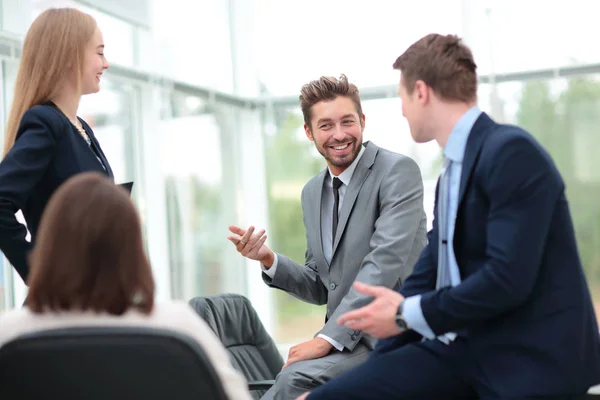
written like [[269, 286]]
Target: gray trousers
[[304, 376]]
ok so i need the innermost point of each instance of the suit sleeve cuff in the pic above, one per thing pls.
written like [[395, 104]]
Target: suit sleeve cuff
[[270, 272], [334, 343], [413, 315]]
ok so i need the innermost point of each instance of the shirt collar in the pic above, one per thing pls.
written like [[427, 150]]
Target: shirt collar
[[348, 172], [457, 141]]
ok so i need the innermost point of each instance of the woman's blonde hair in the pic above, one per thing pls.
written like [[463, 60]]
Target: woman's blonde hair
[[54, 45]]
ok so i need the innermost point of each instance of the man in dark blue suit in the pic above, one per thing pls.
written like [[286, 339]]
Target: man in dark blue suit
[[497, 306]]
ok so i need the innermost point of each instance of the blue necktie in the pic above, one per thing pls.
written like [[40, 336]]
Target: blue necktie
[[443, 274], [444, 279]]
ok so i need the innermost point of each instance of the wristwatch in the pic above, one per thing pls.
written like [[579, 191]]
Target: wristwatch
[[400, 319]]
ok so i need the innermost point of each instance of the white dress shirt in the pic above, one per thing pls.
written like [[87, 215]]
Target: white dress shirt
[[326, 222]]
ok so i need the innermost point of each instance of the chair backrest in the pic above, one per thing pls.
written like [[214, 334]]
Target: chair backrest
[[233, 319], [107, 363]]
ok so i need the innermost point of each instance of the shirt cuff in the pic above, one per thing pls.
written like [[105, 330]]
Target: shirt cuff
[[334, 343], [270, 272], [413, 315]]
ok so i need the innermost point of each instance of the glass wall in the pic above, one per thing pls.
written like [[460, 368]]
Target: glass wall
[[189, 41], [199, 200], [360, 40], [502, 39]]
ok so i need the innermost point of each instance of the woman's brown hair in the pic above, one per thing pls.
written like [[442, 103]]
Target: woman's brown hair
[[89, 253]]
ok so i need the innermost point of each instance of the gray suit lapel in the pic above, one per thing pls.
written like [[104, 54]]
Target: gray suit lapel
[[362, 171], [315, 215]]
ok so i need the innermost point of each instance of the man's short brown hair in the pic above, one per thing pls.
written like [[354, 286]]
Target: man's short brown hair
[[327, 88], [444, 63], [89, 253]]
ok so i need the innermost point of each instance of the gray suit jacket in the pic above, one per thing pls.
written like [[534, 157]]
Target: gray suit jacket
[[380, 235]]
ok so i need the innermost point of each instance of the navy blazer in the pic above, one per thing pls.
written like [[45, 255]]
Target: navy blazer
[[48, 150], [523, 303]]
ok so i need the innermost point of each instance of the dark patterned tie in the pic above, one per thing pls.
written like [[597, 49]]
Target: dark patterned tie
[[336, 204]]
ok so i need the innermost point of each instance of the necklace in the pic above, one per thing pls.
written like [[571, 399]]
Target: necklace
[[77, 126], [81, 131]]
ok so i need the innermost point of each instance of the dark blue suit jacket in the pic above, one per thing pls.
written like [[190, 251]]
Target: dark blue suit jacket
[[48, 150], [523, 304]]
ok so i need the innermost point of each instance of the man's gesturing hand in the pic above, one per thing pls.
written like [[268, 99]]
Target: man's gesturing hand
[[252, 245], [377, 318]]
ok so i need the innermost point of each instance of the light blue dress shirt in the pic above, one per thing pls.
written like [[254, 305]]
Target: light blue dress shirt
[[453, 152]]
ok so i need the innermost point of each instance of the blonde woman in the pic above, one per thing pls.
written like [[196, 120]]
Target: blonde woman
[[46, 142]]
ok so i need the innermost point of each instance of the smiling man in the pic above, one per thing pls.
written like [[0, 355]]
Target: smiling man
[[364, 222]]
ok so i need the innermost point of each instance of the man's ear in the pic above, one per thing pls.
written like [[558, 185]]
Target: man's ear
[[308, 133], [422, 92]]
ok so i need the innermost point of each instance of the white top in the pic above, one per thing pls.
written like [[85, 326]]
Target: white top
[[176, 316]]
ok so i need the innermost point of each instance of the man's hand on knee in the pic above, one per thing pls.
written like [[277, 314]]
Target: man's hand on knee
[[303, 397], [315, 348]]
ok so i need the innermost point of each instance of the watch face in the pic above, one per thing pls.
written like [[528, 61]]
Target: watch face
[[401, 322]]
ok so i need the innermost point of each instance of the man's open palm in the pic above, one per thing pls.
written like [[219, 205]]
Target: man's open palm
[[250, 244]]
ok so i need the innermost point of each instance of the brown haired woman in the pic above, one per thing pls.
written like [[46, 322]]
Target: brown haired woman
[[89, 268], [45, 142]]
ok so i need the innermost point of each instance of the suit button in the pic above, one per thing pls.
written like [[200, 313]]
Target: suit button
[[353, 337], [332, 286]]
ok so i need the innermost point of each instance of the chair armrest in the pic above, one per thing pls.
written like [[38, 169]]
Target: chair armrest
[[261, 385]]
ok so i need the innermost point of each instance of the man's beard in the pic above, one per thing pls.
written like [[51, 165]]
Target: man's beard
[[340, 163]]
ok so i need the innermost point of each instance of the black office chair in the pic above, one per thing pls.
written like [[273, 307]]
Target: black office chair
[[251, 349], [107, 363]]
